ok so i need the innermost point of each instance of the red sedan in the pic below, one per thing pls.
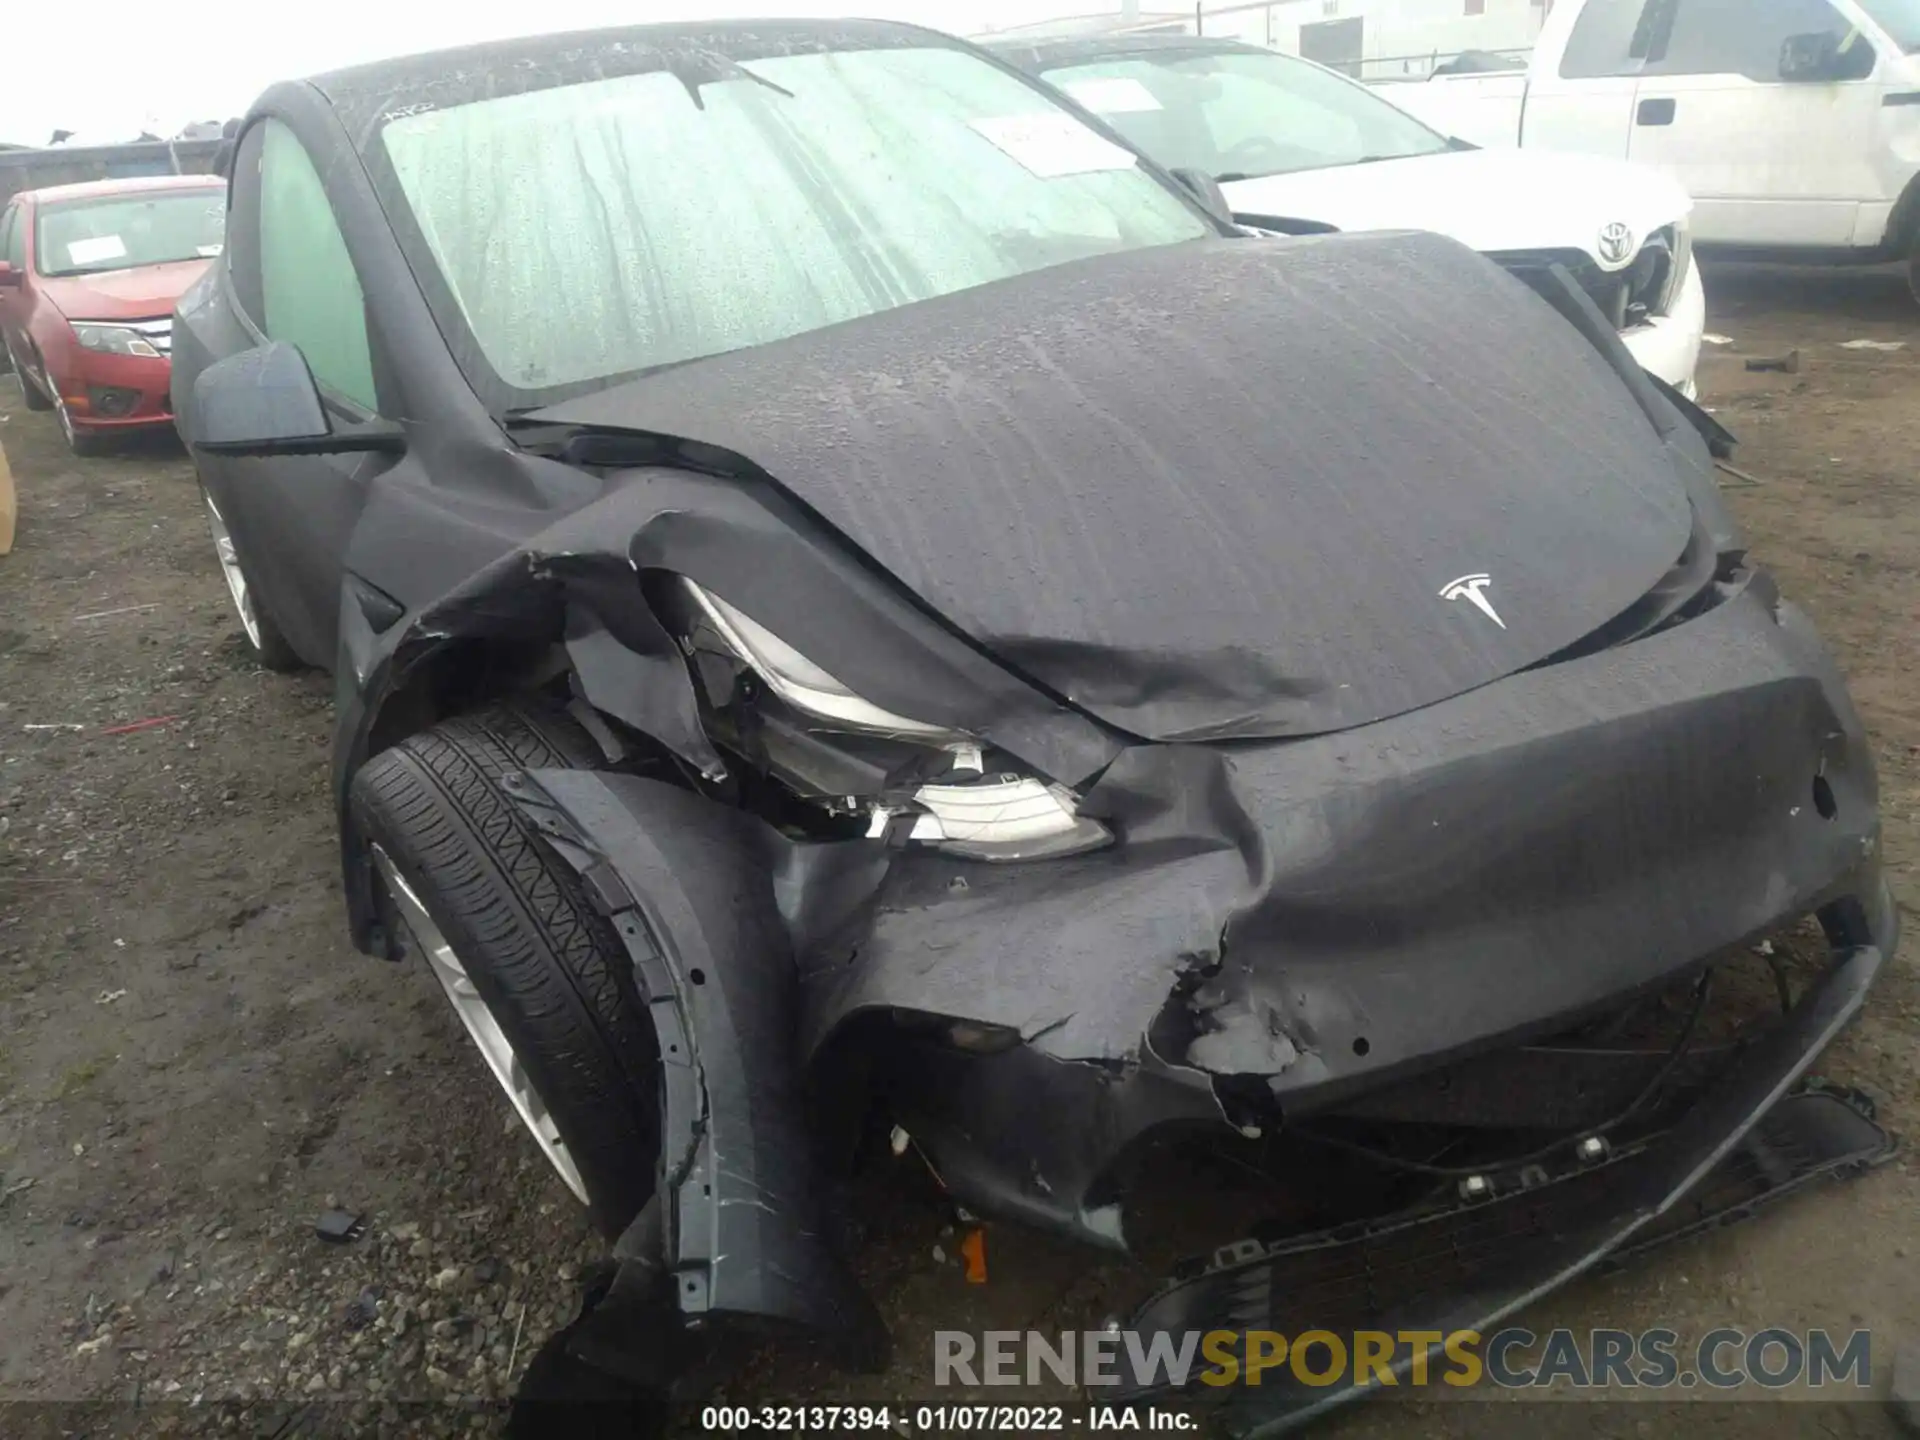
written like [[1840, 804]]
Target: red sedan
[[88, 278]]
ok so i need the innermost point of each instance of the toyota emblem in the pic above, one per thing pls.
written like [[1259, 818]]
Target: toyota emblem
[[1616, 243]]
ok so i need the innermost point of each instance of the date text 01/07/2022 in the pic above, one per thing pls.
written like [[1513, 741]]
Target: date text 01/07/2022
[[938, 1419]]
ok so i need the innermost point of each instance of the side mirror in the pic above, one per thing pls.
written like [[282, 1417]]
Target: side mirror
[[10, 278], [1821, 58], [263, 402], [1207, 191]]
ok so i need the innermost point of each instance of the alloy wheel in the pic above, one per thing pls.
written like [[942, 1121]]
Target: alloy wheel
[[485, 1032], [229, 567]]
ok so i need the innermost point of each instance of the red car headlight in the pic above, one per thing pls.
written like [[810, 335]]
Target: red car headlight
[[112, 339]]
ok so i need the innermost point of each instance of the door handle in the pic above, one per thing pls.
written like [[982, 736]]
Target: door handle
[[1655, 112]]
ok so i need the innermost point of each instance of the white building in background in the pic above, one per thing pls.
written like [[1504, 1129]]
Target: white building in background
[[1368, 39]]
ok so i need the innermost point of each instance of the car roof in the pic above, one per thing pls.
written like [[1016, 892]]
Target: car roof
[[127, 185], [1083, 49], [406, 73]]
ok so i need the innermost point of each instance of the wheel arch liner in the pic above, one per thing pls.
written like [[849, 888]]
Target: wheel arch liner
[[687, 886]]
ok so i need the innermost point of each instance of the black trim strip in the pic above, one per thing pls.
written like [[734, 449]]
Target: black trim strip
[[1902, 97]]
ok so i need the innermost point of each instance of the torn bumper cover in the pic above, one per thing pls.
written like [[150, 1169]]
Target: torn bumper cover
[[1286, 929], [1282, 929], [1473, 1266]]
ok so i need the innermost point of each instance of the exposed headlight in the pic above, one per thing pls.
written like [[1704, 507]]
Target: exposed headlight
[[1651, 284], [965, 812], [113, 340], [1682, 262], [800, 682], [999, 817]]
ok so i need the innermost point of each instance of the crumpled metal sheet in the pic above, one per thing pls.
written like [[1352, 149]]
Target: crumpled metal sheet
[[1215, 490], [1279, 887], [1413, 888], [1284, 882], [1485, 1262]]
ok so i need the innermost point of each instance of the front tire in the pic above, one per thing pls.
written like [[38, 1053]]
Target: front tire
[[535, 973]]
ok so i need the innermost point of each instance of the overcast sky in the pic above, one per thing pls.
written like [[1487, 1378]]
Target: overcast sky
[[110, 68]]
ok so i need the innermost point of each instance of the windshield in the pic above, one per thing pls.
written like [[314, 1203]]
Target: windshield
[[119, 232], [586, 232], [1237, 114], [1900, 19]]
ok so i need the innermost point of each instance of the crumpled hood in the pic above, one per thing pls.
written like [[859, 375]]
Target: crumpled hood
[[1492, 200], [145, 292], [1216, 489]]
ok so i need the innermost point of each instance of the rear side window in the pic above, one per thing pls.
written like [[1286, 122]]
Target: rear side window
[[1607, 39], [309, 292], [1740, 37]]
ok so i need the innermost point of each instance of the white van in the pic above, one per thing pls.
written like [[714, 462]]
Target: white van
[[1794, 124]]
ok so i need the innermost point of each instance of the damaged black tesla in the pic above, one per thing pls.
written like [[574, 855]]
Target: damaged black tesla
[[853, 596]]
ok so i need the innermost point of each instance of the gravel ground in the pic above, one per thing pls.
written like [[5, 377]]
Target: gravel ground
[[194, 1065]]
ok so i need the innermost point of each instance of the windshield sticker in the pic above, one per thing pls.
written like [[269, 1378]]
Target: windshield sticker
[[1113, 96], [92, 252], [210, 251], [1053, 143]]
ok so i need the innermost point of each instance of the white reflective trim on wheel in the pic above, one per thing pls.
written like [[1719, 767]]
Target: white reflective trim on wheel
[[230, 567], [482, 1028]]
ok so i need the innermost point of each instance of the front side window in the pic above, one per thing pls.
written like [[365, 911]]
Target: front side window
[[585, 232], [1238, 114], [1900, 19], [309, 291], [1742, 37], [119, 232], [242, 255]]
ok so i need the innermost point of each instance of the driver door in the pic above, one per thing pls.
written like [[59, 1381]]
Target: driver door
[[1767, 161], [291, 278]]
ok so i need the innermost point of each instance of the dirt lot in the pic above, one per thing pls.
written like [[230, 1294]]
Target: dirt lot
[[193, 1064]]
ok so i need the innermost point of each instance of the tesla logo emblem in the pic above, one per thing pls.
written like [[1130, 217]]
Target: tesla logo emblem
[[1473, 589], [1616, 243]]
